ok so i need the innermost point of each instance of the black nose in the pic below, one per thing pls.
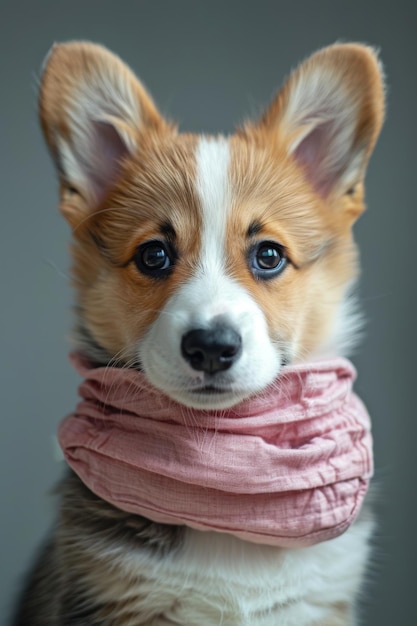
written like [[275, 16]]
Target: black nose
[[211, 350]]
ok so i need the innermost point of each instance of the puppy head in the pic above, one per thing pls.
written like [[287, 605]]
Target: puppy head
[[209, 262]]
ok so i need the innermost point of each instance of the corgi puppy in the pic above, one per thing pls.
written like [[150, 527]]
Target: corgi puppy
[[209, 264]]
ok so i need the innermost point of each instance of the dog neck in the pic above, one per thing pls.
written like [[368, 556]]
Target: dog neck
[[289, 467]]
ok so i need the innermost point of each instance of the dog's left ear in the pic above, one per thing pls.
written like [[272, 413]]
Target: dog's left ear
[[94, 113], [329, 114]]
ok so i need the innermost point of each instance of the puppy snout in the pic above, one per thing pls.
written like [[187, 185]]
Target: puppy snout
[[211, 350]]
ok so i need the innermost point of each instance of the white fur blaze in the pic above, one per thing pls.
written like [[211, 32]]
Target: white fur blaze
[[212, 162]]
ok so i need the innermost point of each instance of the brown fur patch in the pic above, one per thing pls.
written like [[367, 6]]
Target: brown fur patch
[[273, 189], [301, 303], [354, 71], [71, 70], [119, 303]]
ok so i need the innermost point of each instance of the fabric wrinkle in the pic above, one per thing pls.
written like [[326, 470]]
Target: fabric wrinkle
[[289, 467]]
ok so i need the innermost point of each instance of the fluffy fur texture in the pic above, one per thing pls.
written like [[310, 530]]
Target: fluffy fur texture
[[174, 233]]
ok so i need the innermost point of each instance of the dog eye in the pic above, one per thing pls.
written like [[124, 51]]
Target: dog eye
[[267, 260], [154, 259]]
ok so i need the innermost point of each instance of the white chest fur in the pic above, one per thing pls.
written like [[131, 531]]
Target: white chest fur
[[218, 580]]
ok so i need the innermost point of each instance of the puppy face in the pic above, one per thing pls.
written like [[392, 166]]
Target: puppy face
[[210, 262]]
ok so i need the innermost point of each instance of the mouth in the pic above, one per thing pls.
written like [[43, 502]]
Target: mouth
[[210, 390], [209, 397]]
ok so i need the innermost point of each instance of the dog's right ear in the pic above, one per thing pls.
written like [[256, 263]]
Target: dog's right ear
[[93, 112]]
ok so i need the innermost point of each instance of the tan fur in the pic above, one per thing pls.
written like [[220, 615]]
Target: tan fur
[[353, 70], [300, 306], [155, 189], [70, 70], [271, 187]]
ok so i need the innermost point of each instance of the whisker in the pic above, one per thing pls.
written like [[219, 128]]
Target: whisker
[[55, 267], [105, 210]]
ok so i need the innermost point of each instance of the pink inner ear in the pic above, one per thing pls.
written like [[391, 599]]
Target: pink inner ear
[[102, 162], [317, 153]]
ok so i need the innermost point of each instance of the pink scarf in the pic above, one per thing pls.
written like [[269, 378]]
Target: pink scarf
[[289, 467]]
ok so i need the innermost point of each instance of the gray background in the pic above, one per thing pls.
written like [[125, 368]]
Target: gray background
[[209, 64]]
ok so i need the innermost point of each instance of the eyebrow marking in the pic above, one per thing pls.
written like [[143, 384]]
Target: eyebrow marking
[[254, 228], [167, 229]]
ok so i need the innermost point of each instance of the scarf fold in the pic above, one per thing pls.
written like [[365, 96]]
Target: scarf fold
[[289, 467]]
